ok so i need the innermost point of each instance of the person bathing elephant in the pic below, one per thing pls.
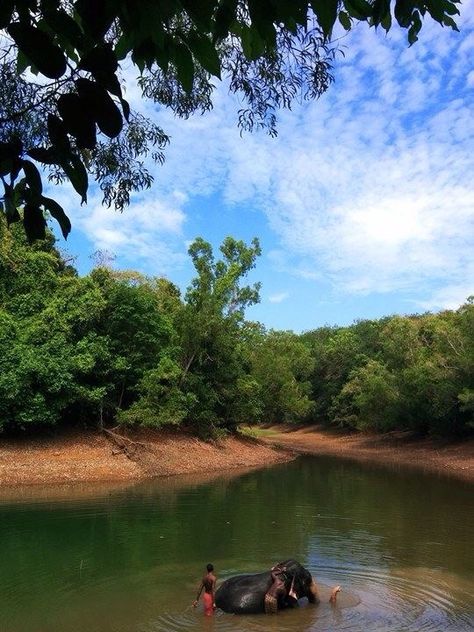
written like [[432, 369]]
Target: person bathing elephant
[[274, 590]]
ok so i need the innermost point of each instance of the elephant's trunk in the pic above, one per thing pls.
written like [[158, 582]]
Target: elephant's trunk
[[313, 594]]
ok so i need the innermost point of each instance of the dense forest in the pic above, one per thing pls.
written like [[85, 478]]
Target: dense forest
[[117, 347]]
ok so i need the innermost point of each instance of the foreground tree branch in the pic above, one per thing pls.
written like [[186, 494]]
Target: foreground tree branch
[[272, 52]]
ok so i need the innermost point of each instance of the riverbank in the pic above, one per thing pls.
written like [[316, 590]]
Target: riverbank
[[95, 457], [403, 449], [86, 457]]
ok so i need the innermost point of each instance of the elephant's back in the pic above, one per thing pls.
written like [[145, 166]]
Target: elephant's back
[[243, 593]]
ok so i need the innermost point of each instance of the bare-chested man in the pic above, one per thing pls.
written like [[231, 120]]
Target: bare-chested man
[[208, 583], [277, 590]]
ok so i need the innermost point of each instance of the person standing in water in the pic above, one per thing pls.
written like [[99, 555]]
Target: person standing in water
[[208, 583]]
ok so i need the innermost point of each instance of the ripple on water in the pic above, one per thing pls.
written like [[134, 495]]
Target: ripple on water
[[411, 599], [408, 600]]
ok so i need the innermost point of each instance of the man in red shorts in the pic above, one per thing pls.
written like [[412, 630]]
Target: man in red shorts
[[208, 583]]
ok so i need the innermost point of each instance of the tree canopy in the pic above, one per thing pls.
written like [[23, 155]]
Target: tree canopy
[[119, 347], [62, 105]]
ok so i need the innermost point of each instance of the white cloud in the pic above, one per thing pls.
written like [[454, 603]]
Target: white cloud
[[149, 232], [279, 297], [448, 297]]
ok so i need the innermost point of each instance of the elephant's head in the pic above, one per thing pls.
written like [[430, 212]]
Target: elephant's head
[[301, 580]]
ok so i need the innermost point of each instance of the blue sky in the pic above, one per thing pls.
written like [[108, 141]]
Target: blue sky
[[363, 204]]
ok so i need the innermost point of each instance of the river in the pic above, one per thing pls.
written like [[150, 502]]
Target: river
[[129, 559]]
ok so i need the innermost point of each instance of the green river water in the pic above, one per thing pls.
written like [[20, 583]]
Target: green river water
[[123, 559]]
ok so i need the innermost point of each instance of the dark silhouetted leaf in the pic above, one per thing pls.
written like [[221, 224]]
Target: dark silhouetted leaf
[[77, 174], [22, 62], [403, 14], [363, 8], [225, 15], [34, 223], [448, 21], [380, 8], [146, 53], [65, 26], [262, 18], [57, 134], [100, 61], [200, 12], [204, 51], [386, 21], [96, 16], [78, 120], [59, 215], [12, 149], [111, 84], [42, 154], [10, 162], [184, 66], [345, 20], [6, 11], [125, 109], [101, 107], [39, 48], [33, 176], [326, 12], [124, 46]]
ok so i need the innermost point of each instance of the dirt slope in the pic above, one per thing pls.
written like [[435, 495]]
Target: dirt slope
[[455, 458], [90, 456]]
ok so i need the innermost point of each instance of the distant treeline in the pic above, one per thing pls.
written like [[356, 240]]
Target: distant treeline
[[116, 347]]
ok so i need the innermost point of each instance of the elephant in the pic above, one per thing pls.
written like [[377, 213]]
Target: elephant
[[251, 594]]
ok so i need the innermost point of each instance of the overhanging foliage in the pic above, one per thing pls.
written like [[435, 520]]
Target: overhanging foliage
[[74, 121]]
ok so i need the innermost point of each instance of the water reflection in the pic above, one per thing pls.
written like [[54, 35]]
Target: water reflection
[[129, 558]]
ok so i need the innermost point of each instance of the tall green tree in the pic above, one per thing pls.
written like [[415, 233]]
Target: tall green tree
[[203, 381], [336, 352], [465, 354]]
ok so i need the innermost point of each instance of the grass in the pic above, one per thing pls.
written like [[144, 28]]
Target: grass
[[255, 432]]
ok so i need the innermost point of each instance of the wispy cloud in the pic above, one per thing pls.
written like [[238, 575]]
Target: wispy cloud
[[279, 297], [149, 232]]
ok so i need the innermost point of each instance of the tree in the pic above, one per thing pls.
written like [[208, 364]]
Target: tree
[[137, 331], [282, 365], [368, 399], [336, 352], [74, 119], [466, 355], [48, 347], [203, 378]]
